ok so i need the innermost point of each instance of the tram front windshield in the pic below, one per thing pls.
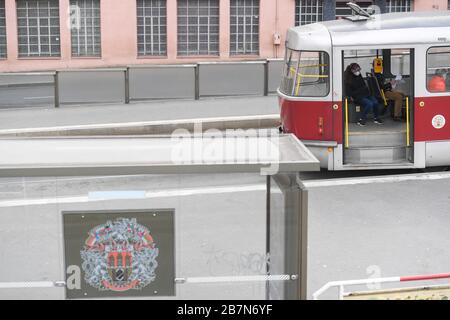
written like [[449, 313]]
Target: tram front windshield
[[306, 74]]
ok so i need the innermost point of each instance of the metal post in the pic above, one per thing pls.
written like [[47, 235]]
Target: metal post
[[341, 292], [346, 123], [266, 78], [197, 82], [56, 87], [268, 235], [303, 242], [127, 85], [408, 143]]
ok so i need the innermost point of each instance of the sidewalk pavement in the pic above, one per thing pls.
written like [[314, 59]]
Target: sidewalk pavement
[[174, 110]]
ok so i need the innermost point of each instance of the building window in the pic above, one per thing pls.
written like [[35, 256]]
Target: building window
[[151, 27], [198, 27], [38, 28], [342, 10], [244, 27], [85, 28], [399, 5], [2, 30], [308, 11]]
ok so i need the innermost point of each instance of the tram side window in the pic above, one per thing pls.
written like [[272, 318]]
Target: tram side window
[[438, 69], [306, 74]]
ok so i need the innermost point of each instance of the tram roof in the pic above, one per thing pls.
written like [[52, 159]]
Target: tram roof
[[384, 29]]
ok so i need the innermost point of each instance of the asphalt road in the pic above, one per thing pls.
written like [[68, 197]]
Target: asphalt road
[[356, 231]]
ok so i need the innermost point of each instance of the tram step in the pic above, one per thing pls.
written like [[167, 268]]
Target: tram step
[[376, 155], [377, 139]]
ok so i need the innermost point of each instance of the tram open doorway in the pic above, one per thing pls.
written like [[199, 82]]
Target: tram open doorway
[[385, 71]]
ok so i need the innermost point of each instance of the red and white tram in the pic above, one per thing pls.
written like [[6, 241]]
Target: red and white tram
[[314, 105]]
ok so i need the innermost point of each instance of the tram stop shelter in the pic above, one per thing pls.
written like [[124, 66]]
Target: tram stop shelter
[[190, 217]]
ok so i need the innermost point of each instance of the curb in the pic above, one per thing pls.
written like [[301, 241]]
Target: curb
[[150, 127]]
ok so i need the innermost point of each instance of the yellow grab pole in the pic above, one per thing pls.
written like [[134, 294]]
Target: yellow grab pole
[[408, 143], [346, 123], [384, 98], [298, 84]]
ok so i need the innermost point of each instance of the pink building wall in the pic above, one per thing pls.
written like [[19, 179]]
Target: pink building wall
[[119, 40], [424, 5]]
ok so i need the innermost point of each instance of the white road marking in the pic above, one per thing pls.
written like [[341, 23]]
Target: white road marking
[[148, 195], [378, 179], [34, 98]]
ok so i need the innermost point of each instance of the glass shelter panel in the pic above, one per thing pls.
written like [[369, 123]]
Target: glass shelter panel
[[172, 236]]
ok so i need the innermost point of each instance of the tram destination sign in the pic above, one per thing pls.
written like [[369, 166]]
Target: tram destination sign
[[119, 253]]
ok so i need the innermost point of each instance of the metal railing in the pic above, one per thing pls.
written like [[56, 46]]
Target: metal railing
[[342, 284], [162, 81]]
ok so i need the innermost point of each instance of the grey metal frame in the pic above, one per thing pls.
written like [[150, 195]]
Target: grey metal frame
[[38, 27], [296, 238], [215, 79], [85, 28]]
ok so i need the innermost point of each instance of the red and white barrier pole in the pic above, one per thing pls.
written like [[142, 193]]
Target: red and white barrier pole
[[342, 284]]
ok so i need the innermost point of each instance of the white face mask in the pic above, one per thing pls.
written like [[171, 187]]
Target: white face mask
[[357, 73]]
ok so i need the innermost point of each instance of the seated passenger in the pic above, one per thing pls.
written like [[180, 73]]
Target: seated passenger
[[391, 95], [437, 83], [357, 89]]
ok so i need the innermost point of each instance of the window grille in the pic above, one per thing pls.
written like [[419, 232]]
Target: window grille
[[308, 11], [152, 27], [38, 28], [2, 30], [399, 5], [85, 28], [244, 27], [198, 27]]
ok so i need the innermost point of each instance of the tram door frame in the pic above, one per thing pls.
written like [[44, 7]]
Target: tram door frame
[[339, 97]]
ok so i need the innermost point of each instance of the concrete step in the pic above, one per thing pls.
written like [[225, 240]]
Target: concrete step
[[377, 139], [376, 155]]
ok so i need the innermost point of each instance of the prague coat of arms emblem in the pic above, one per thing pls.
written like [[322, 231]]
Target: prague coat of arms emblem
[[119, 255]]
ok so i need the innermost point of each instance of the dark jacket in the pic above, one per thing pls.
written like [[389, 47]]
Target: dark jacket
[[386, 86], [356, 88]]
